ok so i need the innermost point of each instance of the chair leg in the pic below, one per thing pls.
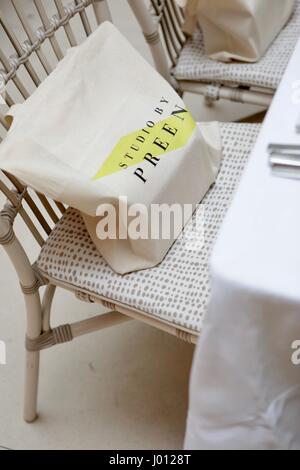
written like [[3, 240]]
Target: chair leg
[[30, 284], [31, 385], [33, 330]]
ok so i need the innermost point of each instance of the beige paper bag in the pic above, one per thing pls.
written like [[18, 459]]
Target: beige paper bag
[[237, 29], [106, 125]]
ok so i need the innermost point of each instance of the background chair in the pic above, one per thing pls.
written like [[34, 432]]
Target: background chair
[[172, 296], [240, 82]]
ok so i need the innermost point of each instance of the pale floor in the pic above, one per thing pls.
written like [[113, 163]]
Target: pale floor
[[125, 387]]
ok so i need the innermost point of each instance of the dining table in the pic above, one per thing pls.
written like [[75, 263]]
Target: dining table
[[245, 379]]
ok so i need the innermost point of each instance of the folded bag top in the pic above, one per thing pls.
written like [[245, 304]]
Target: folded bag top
[[237, 29], [105, 127]]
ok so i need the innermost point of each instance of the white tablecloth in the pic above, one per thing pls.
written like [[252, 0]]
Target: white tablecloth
[[245, 389]]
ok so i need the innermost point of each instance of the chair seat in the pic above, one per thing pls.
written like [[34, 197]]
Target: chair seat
[[177, 290], [195, 66]]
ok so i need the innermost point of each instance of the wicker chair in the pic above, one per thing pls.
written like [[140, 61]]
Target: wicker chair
[[173, 296], [239, 82]]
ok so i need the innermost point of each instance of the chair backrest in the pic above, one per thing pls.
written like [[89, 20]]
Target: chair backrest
[[170, 19], [32, 46], [32, 42]]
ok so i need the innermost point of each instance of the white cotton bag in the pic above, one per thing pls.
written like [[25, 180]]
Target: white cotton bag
[[106, 125]]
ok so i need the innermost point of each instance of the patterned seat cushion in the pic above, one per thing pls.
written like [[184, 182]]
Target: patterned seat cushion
[[177, 290], [267, 73]]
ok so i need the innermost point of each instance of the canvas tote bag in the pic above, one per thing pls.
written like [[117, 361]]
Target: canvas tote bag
[[237, 29], [106, 125]]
